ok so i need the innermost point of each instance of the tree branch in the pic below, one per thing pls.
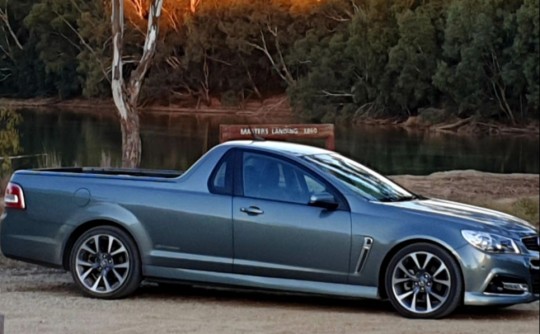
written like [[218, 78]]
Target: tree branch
[[84, 43], [5, 18], [330, 94], [149, 49], [117, 77], [283, 71]]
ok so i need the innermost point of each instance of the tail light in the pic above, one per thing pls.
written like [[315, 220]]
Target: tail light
[[14, 197]]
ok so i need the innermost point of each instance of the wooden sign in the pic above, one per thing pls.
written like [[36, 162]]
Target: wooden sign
[[279, 132]]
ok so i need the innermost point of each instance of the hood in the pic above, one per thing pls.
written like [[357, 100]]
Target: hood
[[466, 213]]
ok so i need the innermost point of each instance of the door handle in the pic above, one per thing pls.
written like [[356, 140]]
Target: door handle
[[252, 210]]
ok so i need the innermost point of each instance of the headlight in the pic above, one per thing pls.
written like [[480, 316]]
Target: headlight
[[489, 242]]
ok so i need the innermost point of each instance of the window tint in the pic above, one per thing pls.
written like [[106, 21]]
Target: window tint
[[274, 179]]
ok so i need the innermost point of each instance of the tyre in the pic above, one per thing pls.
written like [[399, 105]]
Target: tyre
[[423, 281], [105, 263]]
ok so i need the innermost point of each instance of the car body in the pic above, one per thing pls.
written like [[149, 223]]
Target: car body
[[270, 215]]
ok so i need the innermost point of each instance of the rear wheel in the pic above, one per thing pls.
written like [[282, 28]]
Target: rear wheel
[[424, 281], [104, 263]]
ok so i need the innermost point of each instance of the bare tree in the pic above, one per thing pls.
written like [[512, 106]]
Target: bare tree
[[126, 94]]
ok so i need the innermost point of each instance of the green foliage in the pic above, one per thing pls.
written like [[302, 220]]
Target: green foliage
[[335, 59], [412, 61], [50, 21], [526, 49], [9, 139], [478, 70]]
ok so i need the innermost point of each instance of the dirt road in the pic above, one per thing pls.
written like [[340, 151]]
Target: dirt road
[[40, 300], [37, 300]]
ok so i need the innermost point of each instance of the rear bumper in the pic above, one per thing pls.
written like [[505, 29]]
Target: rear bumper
[[29, 240]]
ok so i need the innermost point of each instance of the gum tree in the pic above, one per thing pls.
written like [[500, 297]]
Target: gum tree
[[126, 92]]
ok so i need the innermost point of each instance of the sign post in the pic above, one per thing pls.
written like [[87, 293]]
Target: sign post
[[279, 132], [1, 324]]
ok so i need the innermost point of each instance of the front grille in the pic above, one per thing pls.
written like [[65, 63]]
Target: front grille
[[531, 243]]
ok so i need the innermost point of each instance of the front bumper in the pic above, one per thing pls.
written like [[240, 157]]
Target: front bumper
[[483, 299], [486, 277]]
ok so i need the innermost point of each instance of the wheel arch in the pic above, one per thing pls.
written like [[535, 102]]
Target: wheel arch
[[390, 254], [81, 229]]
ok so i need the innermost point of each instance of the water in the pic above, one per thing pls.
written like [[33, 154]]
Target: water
[[173, 141]]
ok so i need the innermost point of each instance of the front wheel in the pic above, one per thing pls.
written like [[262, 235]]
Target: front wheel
[[424, 281], [104, 263]]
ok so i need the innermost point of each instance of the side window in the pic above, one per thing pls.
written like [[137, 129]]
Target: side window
[[314, 186], [269, 178], [221, 178]]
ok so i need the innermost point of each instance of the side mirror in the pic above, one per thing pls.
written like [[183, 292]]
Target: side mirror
[[324, 200]]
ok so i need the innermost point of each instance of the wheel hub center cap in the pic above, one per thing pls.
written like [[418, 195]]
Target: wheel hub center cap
[[104, 263]]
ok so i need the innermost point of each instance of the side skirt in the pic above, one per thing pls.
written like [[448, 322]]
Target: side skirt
[[270, 283]]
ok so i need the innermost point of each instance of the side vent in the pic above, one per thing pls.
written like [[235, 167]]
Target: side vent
[[14, 197], [368, 242]]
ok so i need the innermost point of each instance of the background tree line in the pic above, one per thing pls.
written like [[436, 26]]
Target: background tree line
[[333, 58]]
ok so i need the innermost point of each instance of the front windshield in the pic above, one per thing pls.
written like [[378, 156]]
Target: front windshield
[[360, 179]]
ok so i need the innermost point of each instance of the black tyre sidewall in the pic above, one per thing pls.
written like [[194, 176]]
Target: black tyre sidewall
[[455, 296], [133, 278]]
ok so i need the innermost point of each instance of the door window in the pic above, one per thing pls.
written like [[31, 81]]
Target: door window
[[269, 178]]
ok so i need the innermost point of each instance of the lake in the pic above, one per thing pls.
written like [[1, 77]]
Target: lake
[[175, 141]]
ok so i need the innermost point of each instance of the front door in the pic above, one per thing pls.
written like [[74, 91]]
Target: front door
[[276, 232]]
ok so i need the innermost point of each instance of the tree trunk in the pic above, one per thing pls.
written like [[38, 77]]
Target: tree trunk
[[131, 139]]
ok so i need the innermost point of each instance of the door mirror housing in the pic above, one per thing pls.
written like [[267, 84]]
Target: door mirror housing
[[324, 200]]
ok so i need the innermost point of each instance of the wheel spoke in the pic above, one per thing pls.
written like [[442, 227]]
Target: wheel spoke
[[96, 243], [84, 263], [402, 268], [429, 308], [124, 265], [118, 276], [118, 251], [96, 283], [440, 298], [441, 268], [413, 303], [426, 262], [405, 295], [107, 285], [401, 280], [443, 282], [88, 249], [415, 259], [86, 273], [109, 248]]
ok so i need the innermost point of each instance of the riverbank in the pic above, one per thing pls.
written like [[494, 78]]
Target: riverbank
[[429, 119]]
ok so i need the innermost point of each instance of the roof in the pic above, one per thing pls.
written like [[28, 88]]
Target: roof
[[278, 146]]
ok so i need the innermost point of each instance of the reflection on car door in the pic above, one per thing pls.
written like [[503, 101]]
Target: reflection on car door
[[186, 232], [276, 232]]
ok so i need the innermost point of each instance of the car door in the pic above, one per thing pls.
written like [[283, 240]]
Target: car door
[[276, 232]]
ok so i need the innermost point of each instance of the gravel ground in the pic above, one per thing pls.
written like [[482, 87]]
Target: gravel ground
[[34, 299]]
